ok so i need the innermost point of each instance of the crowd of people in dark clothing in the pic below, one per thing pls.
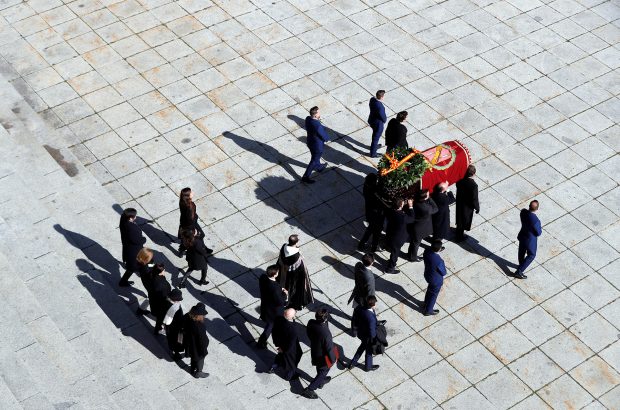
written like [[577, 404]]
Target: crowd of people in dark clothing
[[285, 287]]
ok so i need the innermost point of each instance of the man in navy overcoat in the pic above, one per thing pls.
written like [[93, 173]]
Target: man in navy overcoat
[[317, 137], [528, 238], [366, 321], [434, 271], [376, 120]]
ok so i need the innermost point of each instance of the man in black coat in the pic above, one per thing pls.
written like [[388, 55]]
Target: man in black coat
[[321, 351], [366, 321], [364, 281], [396, 132], [441, 220], [158, 298], [285, 338], [173, 320], [195, 339], [272, 302], [375, 214], [396, 231], [466, 203], [132, 241], [424, 208]]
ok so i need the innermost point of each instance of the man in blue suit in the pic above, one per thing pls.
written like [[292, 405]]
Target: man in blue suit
[[365, 319], [434, 271], [528, 238], [317, 137], [376, 120]]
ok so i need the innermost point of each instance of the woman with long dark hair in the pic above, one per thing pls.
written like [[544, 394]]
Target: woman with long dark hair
[[132, 241], [196, 257], [188, 218]]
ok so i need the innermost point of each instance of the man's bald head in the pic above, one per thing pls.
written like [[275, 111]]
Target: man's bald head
[[289, 314]]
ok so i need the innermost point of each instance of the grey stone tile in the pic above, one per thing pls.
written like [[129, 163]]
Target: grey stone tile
[[446, 336], [565, 393], [411, 391], [503, 389], [453, 384], [595, 252], [123, 163], [536, 369], [567, 308], [566, 350], [173, 168], [596, 376]]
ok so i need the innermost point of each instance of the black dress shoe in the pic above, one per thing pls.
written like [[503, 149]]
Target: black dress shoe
[[433, 313], [393, 271], [373, 368], [125, 284], [203, 282], [519, 275], [327, 380], [307, 180], [209, 251], [142, 312], [201, 375], [309, 394], [181, 285], [351, 365], [416, 259]]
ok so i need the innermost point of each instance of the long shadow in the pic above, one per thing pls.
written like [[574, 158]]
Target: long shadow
[[472, 244], [335, 135], [115, 309]]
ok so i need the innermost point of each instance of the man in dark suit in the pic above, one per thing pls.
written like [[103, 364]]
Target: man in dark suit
[[376, 120], [434, 271], [396, 132], [272, 302], [424, 208], [396, 231], [366, 321], [466, 203], [286, 340], [441, 220], [317, 137], [528, 238], [364, 281], [132, 241], [321, 351], [375, 214]]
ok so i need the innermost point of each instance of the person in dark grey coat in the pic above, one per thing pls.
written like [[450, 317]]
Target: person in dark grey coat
[[396, 232], [466, 203], [272, 302], [132, 241], [196, 257], [321, 351], [364, 281], [422, 225], [396, 132], [441, 220]]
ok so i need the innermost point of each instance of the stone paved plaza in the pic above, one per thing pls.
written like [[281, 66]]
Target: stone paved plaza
[[137, 99]]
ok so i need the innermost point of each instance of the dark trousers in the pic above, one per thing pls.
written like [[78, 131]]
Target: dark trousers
[[317, 382], [203, 275], [126, 276], [414, 246], [524, 261], [196, 365], [394, 251], [315, 163], [373, 230], [431, 297], [460, 232], [377, 130], [365, 346], [262, 340]]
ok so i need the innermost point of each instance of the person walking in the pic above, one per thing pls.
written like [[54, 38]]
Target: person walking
[[317, 137], [160, 289], [145, 269], [528, 235], [422, 226], [376, 120], [286, 340], [132, 241], [466, 203], [294, 274], [322, 351], [375, 214], [188, 219], [365, 319], [441, 219], [396, 232], [364, 281], [195, 339], [173, 322], [434, 271], [396, 132], [272, 302], [196, 257]]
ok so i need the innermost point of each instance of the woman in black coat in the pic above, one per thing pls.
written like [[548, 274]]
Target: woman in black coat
[[188, 219], [160, 289], [145, 269], [196, 257], [466, 203], [132, 240], [174, 323], [195, 339], [441, 220], [422, 225], [396, 132]]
